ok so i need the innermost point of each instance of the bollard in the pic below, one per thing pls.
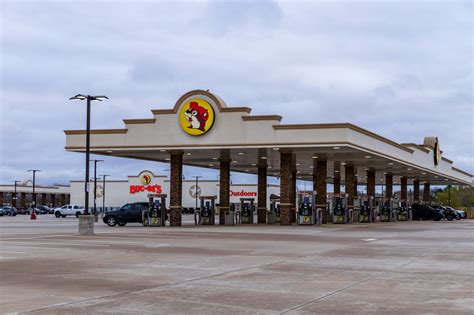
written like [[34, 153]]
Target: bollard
[[86, 224], [197, 217], [145, 217], [376, 216], [237, 217], [319, 216]]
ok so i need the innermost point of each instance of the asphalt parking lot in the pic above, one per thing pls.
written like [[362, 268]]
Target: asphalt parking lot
[[391, 268]]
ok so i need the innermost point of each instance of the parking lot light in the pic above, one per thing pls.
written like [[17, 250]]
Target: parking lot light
[[15, 198], [89, 98], [33, 202]]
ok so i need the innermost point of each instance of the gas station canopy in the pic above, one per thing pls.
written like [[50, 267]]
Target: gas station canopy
[[206, 130]]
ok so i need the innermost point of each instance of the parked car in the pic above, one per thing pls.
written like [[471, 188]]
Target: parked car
[[131, 212], [1, 212], [425, 212], [45, 210], [10, 211], [449, 214], [66, 210], [40, 210], [462, 214]]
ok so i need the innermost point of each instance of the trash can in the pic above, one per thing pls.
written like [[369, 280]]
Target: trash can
[[229, 218]]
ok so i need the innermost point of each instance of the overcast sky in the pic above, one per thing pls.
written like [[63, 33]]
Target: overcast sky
[[402, 69]]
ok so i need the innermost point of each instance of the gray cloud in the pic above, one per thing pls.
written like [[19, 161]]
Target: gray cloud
[[402, 69]]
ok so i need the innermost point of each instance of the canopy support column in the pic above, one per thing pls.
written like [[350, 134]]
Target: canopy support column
[[285, 187], [224, 189], [262, 195], [320, 186], [176, 187]]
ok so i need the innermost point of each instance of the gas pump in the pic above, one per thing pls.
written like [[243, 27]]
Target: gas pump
[[357, 207], [156, 215], [273, 215], [207, 211], [247, 209], [395, 207], [366, 213], [339, 211], [386, 211], [403, 214], [306, 212]]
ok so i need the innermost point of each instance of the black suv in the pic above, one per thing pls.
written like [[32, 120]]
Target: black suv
[[425, 212], [129, 213]]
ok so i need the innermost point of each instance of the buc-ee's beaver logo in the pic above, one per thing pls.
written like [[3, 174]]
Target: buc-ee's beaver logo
[[146, 179], [196, 117]]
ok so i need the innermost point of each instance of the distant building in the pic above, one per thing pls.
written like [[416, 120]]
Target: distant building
[[51, 195], [138, 187]]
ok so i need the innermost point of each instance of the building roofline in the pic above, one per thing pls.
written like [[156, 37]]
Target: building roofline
[[95, 131], [139, 121], [342, 125], [417, 146], [262, 117]]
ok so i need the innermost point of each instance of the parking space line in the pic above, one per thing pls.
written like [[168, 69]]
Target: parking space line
[[34, 237], [59, 243]]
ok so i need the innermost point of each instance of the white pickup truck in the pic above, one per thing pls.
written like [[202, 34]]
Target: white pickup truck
[[66, 210]]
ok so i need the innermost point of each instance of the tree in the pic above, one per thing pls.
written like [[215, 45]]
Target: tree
[[460, 196]]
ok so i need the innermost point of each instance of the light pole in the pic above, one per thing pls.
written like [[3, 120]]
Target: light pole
[[89, 98], [103, 192], [33, 203], [14, 199], [197, 187], [449, 195], [95, 184]]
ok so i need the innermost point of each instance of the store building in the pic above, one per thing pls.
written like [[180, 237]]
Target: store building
[[136, 188], [201, 130], [21, 195]]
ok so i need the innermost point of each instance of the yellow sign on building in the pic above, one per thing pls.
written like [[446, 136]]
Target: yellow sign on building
[[196, 117]]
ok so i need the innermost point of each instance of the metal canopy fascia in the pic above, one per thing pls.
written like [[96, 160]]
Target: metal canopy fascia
[[211, 152]]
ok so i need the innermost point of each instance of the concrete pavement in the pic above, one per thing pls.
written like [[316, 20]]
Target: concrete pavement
[[390, 268]]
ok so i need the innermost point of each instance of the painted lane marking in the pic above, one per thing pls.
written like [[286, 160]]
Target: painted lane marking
[[34, 237], [11, 252], [57, 244]]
